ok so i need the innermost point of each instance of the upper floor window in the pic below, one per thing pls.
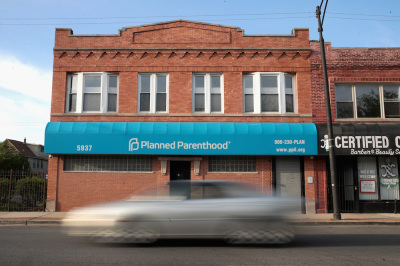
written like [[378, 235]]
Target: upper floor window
[[208, 93], [153, 92], [92, 92], [367, 101], [269, 93]]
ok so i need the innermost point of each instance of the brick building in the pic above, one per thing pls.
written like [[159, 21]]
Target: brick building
[[179, 100], [365, 102]]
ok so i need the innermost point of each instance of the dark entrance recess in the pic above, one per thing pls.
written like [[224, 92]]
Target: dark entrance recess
[[346, 170], [179, 170]]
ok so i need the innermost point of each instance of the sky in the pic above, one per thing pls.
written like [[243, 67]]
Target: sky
[[27, 31]]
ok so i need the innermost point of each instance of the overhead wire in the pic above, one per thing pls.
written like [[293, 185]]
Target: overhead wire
[[213, 18], [210, 15]]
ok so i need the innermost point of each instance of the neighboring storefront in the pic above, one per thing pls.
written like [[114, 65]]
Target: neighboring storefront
[[367, 161], [364, 87]]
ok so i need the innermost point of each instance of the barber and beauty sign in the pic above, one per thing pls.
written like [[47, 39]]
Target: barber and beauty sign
[[360, 139]]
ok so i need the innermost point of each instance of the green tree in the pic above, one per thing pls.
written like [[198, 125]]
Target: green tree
[[12, 159]]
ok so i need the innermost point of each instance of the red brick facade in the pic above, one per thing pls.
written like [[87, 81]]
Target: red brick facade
[[347, 65], [350, 65], [178, 48]]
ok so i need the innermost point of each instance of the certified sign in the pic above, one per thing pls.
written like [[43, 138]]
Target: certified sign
[[361, 139]]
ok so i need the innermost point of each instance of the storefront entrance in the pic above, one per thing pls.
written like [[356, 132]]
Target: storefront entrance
[[367, 184], [347, 183], [367, 162], [179, 170], [289, 179]]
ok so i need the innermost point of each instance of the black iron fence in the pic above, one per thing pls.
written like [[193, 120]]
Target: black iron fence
[[22, 191]]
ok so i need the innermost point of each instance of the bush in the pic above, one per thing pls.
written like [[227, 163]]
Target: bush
[[31, 191], [4, 188]]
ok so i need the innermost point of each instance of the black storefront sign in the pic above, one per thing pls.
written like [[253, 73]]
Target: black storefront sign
[[367, 159], [369, 139]]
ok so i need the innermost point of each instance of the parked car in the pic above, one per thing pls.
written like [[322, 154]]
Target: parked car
[[233, 211]]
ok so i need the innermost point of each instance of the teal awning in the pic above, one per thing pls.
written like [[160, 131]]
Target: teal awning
[[181, 138]]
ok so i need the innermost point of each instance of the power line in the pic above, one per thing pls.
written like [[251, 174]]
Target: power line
[[140, 22], [224, 17], [368, 19], [364, 15], [147, 17]]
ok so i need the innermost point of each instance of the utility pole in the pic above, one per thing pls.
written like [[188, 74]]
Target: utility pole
[[332, 159]]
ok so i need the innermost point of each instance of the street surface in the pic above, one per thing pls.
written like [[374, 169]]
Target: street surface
[[313, 245]]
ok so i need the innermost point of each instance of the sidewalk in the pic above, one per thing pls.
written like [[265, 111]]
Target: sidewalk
[[299, 219]]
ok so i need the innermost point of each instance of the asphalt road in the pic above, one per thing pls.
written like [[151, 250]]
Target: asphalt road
[[313, 245]]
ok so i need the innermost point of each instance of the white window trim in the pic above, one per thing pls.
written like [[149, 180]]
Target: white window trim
[[207, 92], [354, 101], [281, 92], [80, 92], [153, 92]]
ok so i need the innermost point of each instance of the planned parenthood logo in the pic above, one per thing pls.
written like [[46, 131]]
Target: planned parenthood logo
[[133, 144]]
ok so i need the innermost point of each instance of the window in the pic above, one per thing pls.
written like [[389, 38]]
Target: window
[[378, 178], [391, 98], [153, 93], [92, 92], [268, 93], [367, 101], [232, 163], [207, 93], [103, 163]]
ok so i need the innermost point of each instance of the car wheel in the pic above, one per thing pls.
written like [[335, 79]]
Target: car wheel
[[236, 233], [143, 233], [250, 233]]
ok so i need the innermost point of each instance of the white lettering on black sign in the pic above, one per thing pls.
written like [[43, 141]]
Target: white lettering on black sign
[[365, 145]]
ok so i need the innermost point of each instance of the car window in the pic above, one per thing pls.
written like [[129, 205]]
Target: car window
[[206, 192]]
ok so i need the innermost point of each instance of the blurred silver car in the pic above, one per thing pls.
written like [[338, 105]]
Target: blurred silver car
[[232, 211]]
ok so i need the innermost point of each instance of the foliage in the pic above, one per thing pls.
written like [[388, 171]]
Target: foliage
[[4, 188], [31, 190], [12, 159], [368, 104]]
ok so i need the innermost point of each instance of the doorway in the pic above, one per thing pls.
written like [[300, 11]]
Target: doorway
[[179, 170], [289, 179], [347, 188]]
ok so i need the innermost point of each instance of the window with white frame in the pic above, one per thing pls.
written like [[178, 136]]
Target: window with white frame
[[208, 93], [367, 100], [269, 92], [92, 92], [153, 92]]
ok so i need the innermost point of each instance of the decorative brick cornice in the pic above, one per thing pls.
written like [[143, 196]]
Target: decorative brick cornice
[[164, 53]]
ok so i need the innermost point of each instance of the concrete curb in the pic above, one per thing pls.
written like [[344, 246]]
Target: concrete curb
[[31, 218], [340, 223], [27, 222], [294, 223]]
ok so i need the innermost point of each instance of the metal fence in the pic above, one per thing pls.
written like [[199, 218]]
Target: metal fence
[[22, 191]]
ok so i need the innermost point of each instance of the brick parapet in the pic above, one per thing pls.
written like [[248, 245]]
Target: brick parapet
[[350, 65], [181, 34]]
